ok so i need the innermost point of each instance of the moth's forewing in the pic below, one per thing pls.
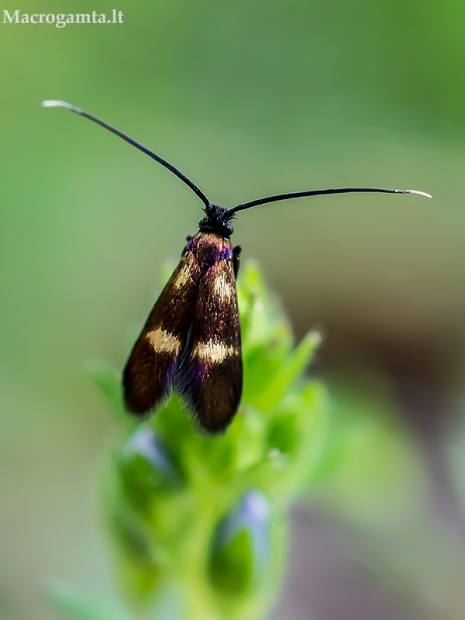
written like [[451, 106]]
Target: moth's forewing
[[149, 373], [209, 377]]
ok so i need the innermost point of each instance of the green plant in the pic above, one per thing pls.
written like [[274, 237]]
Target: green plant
[[200, 522]]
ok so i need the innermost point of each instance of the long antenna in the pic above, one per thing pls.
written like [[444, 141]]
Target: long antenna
[[320, 192], [160, 160]]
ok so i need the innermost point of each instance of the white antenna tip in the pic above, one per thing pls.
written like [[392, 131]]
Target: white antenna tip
[[416, 191], [56, 103], [53, 103]]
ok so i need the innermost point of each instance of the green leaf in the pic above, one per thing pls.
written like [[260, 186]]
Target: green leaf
[[291, 369], [108, 383], [79, 606]]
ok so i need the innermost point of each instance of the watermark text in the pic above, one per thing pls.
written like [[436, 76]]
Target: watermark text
[[60, 20]]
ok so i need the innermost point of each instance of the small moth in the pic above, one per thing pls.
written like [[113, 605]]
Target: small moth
[[191, 341]]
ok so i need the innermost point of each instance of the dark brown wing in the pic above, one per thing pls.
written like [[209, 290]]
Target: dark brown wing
[[209, 376], [149, 372]]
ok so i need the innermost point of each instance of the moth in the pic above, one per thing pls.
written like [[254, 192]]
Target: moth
[[191, 341]]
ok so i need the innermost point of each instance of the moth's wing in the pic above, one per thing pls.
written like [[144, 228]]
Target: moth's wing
[[209, 376], [151, 367]]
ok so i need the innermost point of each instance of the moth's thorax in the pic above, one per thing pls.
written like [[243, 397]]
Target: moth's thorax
[[209, 248]]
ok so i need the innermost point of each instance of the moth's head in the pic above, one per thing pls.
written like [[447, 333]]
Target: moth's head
[[217, 220]]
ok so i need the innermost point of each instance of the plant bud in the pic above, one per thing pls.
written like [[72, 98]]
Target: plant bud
[[241, 546], [146, 468]]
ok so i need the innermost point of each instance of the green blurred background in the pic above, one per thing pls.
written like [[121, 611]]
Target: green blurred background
[[248, 99]]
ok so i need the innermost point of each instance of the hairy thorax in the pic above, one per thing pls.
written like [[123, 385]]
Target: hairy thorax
[[209, 248]]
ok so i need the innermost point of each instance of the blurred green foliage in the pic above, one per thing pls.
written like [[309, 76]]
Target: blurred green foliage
[[379, 486], [247, 99]]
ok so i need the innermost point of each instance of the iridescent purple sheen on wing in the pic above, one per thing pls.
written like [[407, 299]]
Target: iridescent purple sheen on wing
[[209, 248]]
